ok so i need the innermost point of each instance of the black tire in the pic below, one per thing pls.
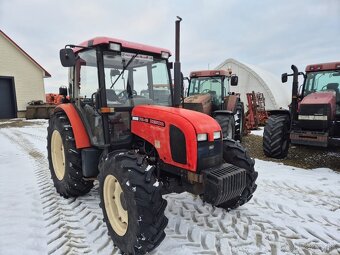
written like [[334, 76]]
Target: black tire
[[71, 182], [227, 124], [144, 204], [239, 118], [276, 136], [234, 153]]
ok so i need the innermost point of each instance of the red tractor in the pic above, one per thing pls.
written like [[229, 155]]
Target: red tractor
[[314, 115], [122, 126], [209, 92]]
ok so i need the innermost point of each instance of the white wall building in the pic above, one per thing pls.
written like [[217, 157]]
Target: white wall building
[[252, 78], [21, 79]]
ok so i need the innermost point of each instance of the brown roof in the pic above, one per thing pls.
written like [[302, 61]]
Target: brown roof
[[46, 74], [209, 73]]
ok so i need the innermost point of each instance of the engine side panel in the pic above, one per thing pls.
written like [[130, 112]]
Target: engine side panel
[[153, 123]]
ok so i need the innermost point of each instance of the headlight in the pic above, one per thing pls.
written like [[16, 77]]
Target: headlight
[[217, 135], [202, 137]]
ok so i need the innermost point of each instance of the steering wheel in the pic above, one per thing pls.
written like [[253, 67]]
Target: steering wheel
[[124, 95], [324, 88], [206, 91]]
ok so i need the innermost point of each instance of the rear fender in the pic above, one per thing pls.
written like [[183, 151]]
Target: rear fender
[[278, 112], [80, 135], [230, 102], [222, 112]]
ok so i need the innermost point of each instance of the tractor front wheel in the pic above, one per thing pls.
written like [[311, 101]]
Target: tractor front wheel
[[276, 136], [227, 124], [235, 154], [131, 202], [64, 158]]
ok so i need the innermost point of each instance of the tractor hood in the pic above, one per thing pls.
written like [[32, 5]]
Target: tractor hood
[[202, 123], [321, 98], [182, 138]]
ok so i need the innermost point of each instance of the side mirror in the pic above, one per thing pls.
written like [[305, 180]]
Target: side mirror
[[170, 65], [234, 80], [284, 77], [67, 57], [63, 91]]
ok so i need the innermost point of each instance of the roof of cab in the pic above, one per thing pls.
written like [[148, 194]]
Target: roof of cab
[[125, 44], [209, 73], [323, 67]]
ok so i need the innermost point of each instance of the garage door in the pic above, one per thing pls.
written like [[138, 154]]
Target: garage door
[[7, 98]]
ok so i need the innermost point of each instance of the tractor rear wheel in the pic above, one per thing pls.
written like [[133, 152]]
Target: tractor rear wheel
[[64, 158], [235, 154], [276, 136], [239, 116], [132, 203], [227, 124]]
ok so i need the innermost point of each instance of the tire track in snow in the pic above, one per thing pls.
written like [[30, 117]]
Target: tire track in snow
[[74, 226], [242, 232]]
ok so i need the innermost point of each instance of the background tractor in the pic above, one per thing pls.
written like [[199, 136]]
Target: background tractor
[[209, 92], [122, 125], [314, 115]]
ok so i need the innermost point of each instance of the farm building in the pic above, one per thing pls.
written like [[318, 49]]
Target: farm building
[[253, 78], [21, 79]]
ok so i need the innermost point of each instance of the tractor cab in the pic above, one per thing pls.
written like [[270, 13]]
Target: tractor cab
[[108, 78], [323, 82], [209, 92], [214, 83]]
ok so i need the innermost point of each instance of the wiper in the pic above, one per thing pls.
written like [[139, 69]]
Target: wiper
[[124, 68]]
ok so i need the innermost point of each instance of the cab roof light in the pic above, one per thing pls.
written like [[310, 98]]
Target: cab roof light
[[115, 46], [165, 54]]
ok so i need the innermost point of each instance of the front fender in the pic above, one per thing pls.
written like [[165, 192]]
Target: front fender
[[81, 137]]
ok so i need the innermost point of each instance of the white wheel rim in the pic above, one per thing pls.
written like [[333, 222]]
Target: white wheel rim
[[117, 215], [58, 155]]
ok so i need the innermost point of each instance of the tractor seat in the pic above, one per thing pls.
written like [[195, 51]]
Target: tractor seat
[[111, 95], [333, 86]]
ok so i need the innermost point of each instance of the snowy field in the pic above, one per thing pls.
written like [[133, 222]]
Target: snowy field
[[294, 211]]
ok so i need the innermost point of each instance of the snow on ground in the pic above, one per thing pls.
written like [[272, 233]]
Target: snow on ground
[[258, 132], [293, 211]]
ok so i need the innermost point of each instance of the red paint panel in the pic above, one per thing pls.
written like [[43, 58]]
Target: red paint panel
[[323, 67], [209, 73], [328, 97], [125, 44], [79, 131], [189, 122]]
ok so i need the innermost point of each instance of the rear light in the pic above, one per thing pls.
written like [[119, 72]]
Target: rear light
[[107, 109]]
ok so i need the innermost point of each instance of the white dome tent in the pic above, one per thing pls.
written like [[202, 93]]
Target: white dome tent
[[253, 78]]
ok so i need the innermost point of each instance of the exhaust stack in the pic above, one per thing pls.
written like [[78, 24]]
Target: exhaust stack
[[177, 66]]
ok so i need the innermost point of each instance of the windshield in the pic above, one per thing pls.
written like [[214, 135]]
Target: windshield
[[211, 85], [322, 81], [139, 77]]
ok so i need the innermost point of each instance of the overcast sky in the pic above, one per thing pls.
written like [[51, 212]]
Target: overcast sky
[[270, 34]]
